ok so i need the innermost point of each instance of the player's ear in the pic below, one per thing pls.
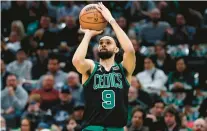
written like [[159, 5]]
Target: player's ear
[[116, 50]]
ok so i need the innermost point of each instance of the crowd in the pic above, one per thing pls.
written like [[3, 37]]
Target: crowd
[[41, 89]]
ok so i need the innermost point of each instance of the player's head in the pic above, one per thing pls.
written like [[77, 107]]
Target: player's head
[[107, 47]]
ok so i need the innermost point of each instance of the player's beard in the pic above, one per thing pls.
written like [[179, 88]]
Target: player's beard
[[105, 54]]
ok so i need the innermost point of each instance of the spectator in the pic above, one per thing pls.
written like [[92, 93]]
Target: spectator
[[172, 119], [18, 27], [138, 117], [14, 42], [78, 112], [133, 101], [3, 124], [33, 112], [4, 75], [73, 83], [139, 57], [19, 11], [184, 123], [21, 66], [69, 34], [191, 113], [163, 60], [49, 95], [72, 125], [14, 99], [122, 22], [64, 108], [54, 69], [182, 33], [37, 9], [142, 95], [6, 54], [154, 31], [152, 79], [199, 125], [69, 9], [40, 62], [178, 98], [182, 78], [45, 34], [139, 9], [203, 109], [156, 116], [26, 125], [43, 126]]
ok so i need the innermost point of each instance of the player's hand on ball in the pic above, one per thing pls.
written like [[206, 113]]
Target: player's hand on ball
[[104, 11], [90, 32]]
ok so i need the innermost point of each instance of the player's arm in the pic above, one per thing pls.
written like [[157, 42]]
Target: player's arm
[[79, 59], [129, 53]]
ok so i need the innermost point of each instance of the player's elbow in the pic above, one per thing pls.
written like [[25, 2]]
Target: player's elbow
[[76, 61], [131, 50]]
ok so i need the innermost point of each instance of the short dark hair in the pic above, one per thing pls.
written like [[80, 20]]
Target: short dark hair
[[159, 100], [12, 74], [152, 58], [172, 110], [139, 109], [54, 57], [181, 58], [20, 50]]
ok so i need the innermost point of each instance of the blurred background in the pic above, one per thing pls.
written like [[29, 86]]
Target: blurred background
[[41, 89]]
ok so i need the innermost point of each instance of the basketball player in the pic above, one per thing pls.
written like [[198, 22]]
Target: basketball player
[[105, 83]]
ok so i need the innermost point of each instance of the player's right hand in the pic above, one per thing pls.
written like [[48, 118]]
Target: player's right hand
[[90, 32], [104, 11]]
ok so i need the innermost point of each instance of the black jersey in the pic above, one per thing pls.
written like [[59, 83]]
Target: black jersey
[[106, 97]]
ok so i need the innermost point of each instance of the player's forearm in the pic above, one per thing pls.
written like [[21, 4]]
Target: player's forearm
[[81, 51], [122, 37]]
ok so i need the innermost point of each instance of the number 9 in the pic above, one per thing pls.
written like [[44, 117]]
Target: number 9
[[108, 97]]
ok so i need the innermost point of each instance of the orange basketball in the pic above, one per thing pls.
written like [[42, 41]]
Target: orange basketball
[[91, 18]]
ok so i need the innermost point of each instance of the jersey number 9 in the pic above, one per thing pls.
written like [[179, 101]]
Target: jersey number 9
[[108, 98]]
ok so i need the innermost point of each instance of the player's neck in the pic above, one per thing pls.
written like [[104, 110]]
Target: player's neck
[[107, 63]]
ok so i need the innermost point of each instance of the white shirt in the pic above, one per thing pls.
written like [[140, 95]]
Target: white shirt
[[14, 46], [22, 70], [152, 85]]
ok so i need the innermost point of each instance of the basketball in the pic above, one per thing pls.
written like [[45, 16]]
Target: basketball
[[91, 18]]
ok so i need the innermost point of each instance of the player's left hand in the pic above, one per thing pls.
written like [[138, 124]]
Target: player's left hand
[[104, 11], [91, 33]]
